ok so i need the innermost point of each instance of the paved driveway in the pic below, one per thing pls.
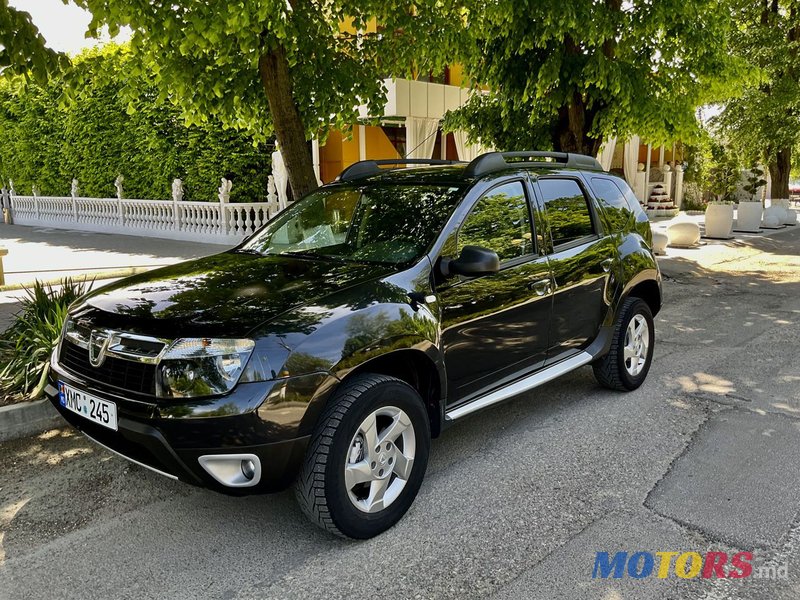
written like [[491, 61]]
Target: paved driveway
[[517, 500]]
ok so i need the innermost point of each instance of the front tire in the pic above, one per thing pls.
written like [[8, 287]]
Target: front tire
[[627, 363], [367, 457]]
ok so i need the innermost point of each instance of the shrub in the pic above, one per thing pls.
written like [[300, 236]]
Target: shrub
[[25, 347], [96, 121]]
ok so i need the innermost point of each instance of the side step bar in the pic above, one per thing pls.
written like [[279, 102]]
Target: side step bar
[[521, 385]]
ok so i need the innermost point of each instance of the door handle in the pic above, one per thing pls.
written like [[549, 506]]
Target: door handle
[[606, 264], [541, 287]]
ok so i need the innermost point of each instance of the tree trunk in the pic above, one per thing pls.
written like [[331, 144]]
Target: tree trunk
[[780, 166], [571, 132], [289, 130], [572, 129]]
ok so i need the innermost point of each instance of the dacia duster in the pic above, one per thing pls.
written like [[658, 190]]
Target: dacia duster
[[329, 348]]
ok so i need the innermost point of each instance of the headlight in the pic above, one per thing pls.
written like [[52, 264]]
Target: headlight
[[202, 367]]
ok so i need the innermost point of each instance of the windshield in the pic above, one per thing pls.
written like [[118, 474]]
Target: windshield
[[377, 223]]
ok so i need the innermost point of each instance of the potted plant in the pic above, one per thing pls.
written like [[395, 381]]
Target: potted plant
[[722, 182], [748, 216]]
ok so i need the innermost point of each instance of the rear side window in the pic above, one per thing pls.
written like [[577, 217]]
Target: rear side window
[[615, 206], [567, 211]]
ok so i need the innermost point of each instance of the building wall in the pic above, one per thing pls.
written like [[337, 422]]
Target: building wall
[[341, 151]]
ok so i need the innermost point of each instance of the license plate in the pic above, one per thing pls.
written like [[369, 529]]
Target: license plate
[[90, 407]]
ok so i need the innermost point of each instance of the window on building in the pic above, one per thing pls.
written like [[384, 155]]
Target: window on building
[[397, 136]]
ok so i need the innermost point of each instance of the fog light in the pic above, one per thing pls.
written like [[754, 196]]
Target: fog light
[[248, 469], [232, 470]]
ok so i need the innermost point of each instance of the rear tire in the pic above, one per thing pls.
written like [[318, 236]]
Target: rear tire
[[367, 457], [627, 363]]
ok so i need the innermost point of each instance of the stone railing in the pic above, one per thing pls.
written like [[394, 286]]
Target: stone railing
[[215, 222]]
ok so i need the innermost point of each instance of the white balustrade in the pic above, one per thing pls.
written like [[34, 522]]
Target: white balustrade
[[215, 222]]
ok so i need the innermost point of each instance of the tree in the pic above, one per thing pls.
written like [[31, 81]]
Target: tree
[[725, 173], [275, 66], [22, 47], [570, 74], [764, 121]]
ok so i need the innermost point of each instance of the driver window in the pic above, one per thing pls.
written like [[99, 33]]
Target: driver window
[[500, 221]]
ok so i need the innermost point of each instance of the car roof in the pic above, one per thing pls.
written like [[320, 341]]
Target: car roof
[[437, 172]]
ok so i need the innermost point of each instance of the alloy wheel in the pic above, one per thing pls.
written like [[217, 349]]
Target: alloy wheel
[[380, 459], [637, 344]]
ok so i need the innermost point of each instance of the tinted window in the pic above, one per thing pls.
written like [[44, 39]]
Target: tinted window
[[376, 223], [567, 210], [615, 205], [501, 222], [630, 197]]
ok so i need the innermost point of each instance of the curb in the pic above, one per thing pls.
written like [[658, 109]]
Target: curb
[[86, 277], [28, 418]]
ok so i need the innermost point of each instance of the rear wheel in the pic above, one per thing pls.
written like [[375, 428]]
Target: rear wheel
[[367, 457], [626, 365]]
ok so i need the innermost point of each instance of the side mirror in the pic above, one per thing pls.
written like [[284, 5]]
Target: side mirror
[[474, 261]]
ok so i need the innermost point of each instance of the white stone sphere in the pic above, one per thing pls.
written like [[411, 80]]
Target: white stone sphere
[[660, 241], [774, 216], [685, 233]]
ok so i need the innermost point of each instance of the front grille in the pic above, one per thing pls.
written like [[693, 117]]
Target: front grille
[[115, 372]]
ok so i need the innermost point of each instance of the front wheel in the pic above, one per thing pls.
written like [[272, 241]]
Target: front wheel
[[625, 366], [367, 457]]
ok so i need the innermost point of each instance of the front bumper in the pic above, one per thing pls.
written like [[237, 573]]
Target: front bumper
[[169, 438]]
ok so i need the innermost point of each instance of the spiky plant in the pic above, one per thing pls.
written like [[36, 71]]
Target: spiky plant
[[25, 347]]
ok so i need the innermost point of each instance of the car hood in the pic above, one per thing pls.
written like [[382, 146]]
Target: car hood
[[227, 294]]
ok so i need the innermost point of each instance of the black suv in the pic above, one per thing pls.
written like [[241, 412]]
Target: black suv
[[333, 344]]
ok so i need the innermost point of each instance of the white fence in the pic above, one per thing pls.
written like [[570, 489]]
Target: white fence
[[215, 222]]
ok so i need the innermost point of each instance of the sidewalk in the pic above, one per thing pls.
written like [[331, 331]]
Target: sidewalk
[[50, 254]]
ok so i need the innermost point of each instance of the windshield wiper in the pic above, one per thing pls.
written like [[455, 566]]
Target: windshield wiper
[[248, 251], [313, 256], [300, 254]]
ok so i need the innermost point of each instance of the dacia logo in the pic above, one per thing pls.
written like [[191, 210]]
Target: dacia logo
[[98, 344]]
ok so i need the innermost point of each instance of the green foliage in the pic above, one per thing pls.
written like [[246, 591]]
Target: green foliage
[[755, 181], [586, 70], [500, 122], [22, 48], [96, 121], [698, 159], [724, 175], [204, 56], [281, 67], [763, 121], [25, 347]]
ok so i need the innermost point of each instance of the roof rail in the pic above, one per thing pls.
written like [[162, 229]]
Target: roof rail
[[365, 168], [495, 161]]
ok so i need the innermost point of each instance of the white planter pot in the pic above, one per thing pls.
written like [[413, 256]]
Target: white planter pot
[[719, 220], [748, 216]]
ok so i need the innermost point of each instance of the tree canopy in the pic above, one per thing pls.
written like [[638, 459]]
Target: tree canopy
[[763, 122], [275, 66], [575, 73], [23, 50]]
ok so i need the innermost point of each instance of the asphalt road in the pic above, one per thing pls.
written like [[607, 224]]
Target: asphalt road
[[517, 500]]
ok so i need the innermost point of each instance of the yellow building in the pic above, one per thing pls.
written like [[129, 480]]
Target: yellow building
[[409, 126]]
